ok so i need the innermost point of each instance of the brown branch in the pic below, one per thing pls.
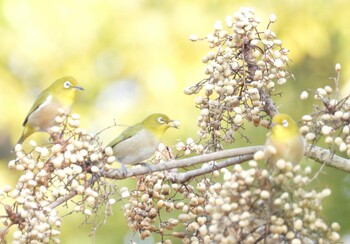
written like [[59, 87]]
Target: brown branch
[[269, 105]]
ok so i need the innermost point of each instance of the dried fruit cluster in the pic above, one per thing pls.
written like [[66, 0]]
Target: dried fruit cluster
[[250, 205], [230, 205], [330, 119], [241, 71], [69, 165]]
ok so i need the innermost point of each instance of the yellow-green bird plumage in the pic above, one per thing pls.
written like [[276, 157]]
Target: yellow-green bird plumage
[[139, 142], [58, 98], [286, 140]]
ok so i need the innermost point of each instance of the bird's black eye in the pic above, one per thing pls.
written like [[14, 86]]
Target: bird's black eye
[[161, 120], [67, 84], [285, 123]]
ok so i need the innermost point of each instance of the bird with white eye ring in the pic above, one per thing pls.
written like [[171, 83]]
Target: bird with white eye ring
[[284, 141], [140, 141], [55, 100]]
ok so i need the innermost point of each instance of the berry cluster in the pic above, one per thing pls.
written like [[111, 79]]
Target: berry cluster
[[244, 66], [270, 205], [231, 205], [330, 119], [70, 165], [249, 205]]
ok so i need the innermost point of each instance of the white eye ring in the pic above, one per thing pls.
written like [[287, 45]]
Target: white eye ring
[[160, 120], [285, 123], [67, 84]]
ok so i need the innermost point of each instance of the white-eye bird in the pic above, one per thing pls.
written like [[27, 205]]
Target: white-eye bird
[[139, 142], [284, 141], [55, 100]]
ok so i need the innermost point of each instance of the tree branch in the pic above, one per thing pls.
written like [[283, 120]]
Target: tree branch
[[186, 176], [269, 105], [230, 153], [235, 156], [325, 156], [72, 194]]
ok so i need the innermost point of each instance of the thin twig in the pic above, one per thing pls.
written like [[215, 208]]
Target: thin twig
[[72, 194]]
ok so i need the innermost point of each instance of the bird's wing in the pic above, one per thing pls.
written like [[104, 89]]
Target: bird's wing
[[131, 131], [37, 105]]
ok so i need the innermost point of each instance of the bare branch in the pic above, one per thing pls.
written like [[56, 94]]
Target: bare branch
[[318, 154], [230, 153], [186, 176], [325, 156]]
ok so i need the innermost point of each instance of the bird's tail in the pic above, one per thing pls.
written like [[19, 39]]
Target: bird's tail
[[20, 141], [26, 132]]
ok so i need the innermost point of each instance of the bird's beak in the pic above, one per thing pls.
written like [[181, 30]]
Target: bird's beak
[[78, 88], [174, 124]]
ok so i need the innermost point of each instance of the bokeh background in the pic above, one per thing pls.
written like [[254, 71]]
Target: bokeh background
[[134, 58]]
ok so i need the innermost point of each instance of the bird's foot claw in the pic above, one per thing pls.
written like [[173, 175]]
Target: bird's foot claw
[[123, 170]]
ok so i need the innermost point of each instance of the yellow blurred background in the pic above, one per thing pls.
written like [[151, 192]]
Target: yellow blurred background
[[134, 58]]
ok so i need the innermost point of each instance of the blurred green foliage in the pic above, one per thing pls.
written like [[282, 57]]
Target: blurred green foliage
[[134, 58]]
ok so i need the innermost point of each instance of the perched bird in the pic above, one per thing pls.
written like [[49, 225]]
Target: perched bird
[[55, 100], [284, 141], [139, 142]]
